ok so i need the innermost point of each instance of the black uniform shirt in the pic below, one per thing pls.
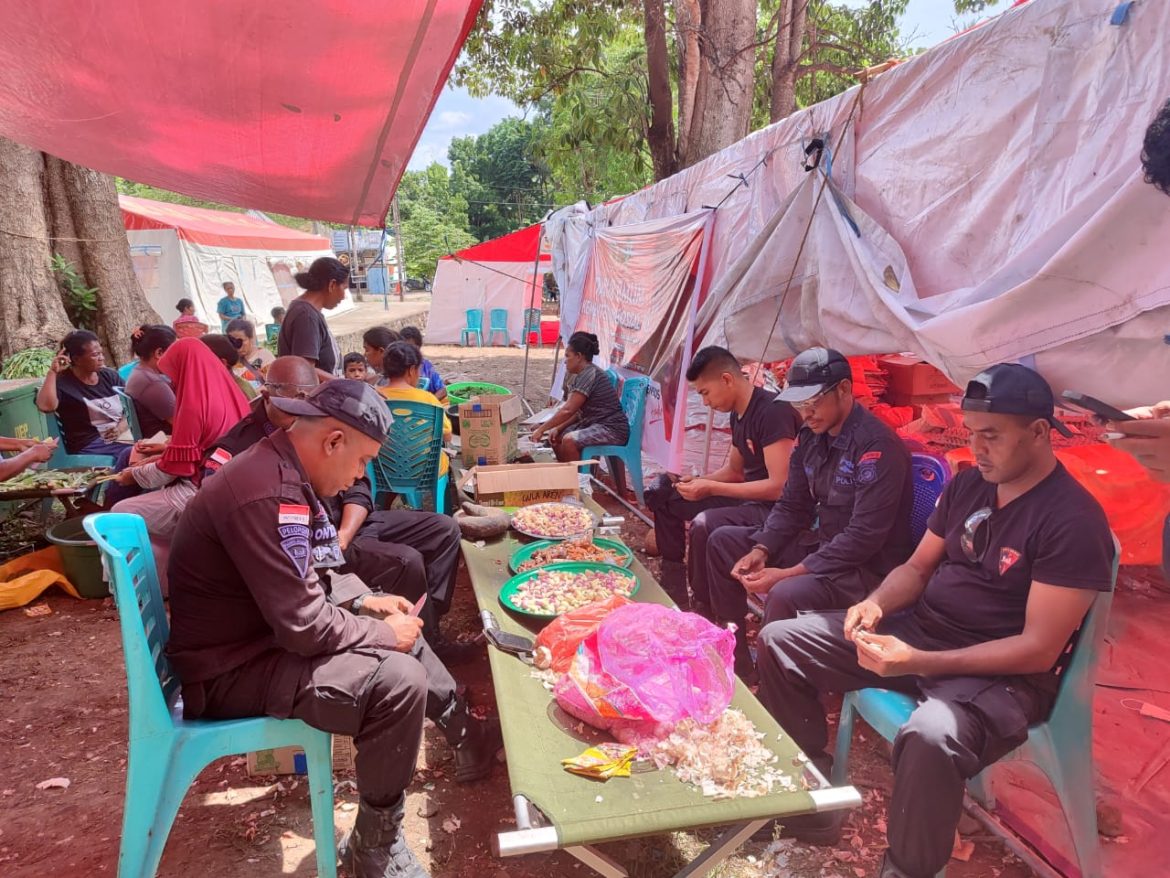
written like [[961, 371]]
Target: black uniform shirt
[[241, 574], [859, 486], [1056, 533], [765, 422]]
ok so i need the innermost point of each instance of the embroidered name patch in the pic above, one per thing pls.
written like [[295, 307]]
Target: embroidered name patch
[[294, 542], [291, 513]]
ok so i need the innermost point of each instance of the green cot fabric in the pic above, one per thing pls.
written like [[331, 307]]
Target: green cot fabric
[[537, 736]]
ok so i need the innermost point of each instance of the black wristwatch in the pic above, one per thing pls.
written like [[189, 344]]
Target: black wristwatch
[[355, 606]]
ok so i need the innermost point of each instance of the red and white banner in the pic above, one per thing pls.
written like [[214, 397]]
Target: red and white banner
[[639, 298]]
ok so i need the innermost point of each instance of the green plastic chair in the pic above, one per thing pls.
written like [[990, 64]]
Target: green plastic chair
[[1061, 746], [130, 412], [408, 463], [167, 751], [474, 325], [630, 454], [532, 326], [499, 323]]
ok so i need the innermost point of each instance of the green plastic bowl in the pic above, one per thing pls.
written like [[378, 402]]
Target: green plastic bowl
[[620, 551], [461, 391], [508, 592]]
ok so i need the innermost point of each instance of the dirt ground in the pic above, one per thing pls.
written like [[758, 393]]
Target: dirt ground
[[63, 715]]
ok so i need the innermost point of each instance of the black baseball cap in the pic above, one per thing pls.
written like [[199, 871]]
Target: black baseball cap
[[812, 372], [1012, 389], [354, 403]]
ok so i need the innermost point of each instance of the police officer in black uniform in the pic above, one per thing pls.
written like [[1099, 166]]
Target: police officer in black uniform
[[400, 551], [977, 625], [849, 476], [253, 631]]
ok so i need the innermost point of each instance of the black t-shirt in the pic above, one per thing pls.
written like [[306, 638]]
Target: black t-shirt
[[1056, 533], [86, 411], [304, 333], [765, 421], [602, 405]]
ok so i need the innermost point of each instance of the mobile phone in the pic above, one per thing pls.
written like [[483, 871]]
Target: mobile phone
[[511, 643], [419, 604], [1101, 409]]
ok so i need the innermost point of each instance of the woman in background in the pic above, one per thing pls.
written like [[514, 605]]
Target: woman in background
[[304, 332], [154, 398], [187, 324], [227, 353], [375, 341]]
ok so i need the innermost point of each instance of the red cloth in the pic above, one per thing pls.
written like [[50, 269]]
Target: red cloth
[[208, 403]]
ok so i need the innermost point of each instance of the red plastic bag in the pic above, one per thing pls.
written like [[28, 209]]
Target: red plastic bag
[[564, 634], [647, 667]]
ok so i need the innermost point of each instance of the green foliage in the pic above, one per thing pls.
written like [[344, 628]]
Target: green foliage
[[31, 363], [426, 236], [80, 301]]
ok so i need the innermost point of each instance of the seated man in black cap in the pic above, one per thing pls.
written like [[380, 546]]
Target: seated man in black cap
[[976, 624], [738, 493], [849, 475], [253, 633]]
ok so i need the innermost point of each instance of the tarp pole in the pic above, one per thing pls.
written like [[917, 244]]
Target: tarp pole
[[524, 316], [398, 260]]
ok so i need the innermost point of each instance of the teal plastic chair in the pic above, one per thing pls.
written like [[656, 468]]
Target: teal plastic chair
[[614, 378], [62, 459], [408, 463], [1061, 746], [532, 325], [167, 751], [474, 325], [126, 368], [499, 323], [130, 412], [271, 332], [630, 454]]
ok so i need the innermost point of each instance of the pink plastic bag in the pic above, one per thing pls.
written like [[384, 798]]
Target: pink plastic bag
[[649, 666]]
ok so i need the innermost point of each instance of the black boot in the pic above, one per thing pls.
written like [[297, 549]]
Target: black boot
[[674, 583], [745, 663], [890, 869], [475, 742], [377, 848]]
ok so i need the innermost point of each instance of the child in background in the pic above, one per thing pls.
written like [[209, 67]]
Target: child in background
[[278, 315], [434, 383], [355, 366]]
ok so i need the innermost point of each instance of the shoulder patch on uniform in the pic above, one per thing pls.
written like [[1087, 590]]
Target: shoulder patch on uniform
[[219, 457], [870, 455], [294, 542], [293, 513]]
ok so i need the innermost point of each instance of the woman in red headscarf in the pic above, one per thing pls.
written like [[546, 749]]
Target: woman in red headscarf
[[207, 404]]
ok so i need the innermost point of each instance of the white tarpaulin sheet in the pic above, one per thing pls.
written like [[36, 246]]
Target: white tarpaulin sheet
[[987, 206]]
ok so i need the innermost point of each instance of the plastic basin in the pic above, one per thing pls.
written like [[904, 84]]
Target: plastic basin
[[80, 557], [461, 391]]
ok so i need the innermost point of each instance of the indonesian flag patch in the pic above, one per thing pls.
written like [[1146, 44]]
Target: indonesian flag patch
[[1007, 559], [291, 513], [218, 458]]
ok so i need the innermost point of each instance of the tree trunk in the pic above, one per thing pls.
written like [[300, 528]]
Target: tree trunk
[[687, 23], [49, 206], [660, 132], [31, 311], [122, 305], [725, 88], [786, 59]]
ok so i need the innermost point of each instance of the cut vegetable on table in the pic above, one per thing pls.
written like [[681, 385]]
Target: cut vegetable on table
[[581, 549], [553, 520], [560, 588]]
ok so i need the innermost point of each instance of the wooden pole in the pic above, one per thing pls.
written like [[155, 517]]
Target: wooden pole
[[399, 260]]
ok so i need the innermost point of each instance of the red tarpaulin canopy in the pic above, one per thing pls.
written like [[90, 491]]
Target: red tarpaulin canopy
[[216, 228], [518, 246], [304, 107]]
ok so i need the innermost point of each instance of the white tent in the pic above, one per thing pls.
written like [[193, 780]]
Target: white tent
[[189, 252], [980, 203], [501, 273]]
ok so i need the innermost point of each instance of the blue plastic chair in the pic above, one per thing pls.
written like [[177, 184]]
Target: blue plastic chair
[[167, 751], [130, 412], [1061, 746], [630, 454], [930, 477], [499, 323], [126, 368], [408, 463], [532, 325], [474, 325]]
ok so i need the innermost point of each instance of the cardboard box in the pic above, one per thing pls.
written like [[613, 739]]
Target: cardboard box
[[488, 427], [522, 484], [909, 377], [291, 760], [891, 397]]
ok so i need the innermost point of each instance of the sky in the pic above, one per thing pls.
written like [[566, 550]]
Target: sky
[[457, 114]]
